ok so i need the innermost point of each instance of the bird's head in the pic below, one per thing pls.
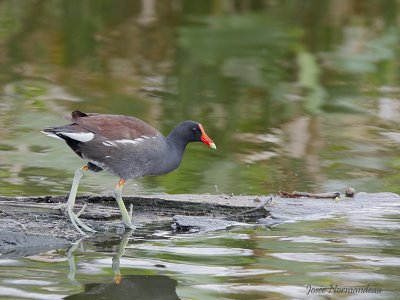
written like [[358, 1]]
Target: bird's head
[[191, 131]]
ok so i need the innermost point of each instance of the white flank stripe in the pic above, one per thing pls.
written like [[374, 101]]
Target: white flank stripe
[[79, 136], [49, 134], [126, 141], [135, 141]]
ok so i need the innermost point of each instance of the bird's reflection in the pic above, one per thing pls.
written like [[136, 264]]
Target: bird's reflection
[[131, 287], [71, 262], [120, 252], [123, 287]]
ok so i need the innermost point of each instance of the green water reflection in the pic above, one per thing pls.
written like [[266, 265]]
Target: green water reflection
[[297, 95]]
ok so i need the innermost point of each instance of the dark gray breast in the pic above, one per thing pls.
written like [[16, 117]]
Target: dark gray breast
[[131, 158]]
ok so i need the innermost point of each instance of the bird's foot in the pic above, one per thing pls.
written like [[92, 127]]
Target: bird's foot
[[128, 223], [129, 226], [127, 220], [64, 209], [78, 223]]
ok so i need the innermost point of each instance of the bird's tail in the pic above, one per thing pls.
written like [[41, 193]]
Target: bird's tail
[[52, 132], [71, 131]]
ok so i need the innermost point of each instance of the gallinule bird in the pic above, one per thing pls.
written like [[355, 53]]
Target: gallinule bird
[[125, 146]]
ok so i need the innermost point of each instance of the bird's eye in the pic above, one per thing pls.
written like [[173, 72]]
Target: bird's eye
[[194, 129]]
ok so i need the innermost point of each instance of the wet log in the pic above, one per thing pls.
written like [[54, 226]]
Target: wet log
[[159, 206], [31, 217]]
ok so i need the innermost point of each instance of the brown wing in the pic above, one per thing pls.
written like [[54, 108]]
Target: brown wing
[[114, 127]]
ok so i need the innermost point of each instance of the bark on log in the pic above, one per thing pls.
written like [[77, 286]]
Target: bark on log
[[23, 219]]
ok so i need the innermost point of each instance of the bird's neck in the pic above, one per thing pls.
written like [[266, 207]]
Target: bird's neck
[[175, 142], [175, 148], [176, 145]]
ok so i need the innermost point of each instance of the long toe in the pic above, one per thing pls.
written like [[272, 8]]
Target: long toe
[[61, 206], [129, 225], [77, 227], [78, 223], [81, 211], [84, 226]]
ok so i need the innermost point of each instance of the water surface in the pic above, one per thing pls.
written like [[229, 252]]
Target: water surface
[[243, 263], [297, 95]]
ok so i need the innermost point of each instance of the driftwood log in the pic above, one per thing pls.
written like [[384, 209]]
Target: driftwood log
[[33, 223]]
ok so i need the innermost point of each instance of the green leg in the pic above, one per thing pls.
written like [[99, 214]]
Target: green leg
[[71, 202], [126, 219]]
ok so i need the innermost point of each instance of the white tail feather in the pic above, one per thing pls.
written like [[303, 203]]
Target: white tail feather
[[50, 134], [79, 136]]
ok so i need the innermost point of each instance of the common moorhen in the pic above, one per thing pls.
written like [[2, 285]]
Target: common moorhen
[[125, 146]]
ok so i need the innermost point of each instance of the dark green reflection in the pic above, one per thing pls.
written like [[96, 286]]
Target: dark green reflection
[[298, 95], [138, 287]]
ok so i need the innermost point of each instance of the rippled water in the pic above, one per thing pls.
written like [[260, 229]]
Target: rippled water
[[297, 95], [251, 263]]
